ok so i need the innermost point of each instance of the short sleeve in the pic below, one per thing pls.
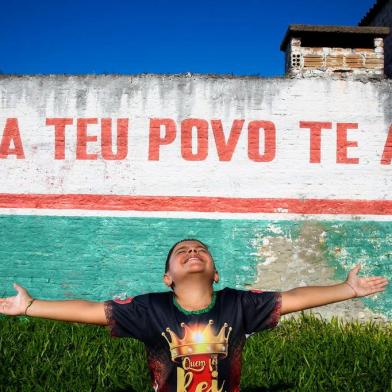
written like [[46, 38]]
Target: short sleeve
[[127, 318], [261, 310]]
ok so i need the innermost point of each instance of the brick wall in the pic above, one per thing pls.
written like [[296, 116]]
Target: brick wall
[[332, 61]]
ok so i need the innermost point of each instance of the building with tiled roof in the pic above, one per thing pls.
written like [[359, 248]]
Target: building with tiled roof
[[343, 51], [381, 15]]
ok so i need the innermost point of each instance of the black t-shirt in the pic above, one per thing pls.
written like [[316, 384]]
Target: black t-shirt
[[194, 351]]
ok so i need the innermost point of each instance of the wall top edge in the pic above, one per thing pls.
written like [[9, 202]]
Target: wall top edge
[[185, 75], [196, 77]]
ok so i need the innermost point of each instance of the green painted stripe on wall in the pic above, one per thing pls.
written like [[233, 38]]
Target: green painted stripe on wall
[[100, 257], [369, 243]]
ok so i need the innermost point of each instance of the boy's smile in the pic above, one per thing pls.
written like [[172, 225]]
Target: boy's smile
[[194, 258]]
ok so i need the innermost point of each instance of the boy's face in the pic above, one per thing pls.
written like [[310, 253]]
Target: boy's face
[[190, 257]]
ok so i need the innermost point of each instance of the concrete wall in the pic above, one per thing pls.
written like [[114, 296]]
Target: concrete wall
[[288, 180]]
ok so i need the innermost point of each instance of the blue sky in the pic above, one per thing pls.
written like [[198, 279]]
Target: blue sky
[[158, 36]]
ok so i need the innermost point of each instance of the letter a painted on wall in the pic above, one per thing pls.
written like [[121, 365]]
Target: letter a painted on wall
[[11, 135], [387, 153]]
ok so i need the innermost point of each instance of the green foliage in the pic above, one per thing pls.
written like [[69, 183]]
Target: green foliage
[[43, 355], [308, 354], [304, 354]]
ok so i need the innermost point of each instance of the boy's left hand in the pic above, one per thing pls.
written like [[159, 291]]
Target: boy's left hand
[[363, 286]]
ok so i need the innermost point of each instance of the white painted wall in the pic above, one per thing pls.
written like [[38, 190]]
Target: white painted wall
[[285, 102]]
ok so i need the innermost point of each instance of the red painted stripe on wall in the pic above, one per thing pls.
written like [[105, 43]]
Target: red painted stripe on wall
[[196, 204]]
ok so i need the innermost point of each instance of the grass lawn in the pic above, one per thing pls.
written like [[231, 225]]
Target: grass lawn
[[305, 354]]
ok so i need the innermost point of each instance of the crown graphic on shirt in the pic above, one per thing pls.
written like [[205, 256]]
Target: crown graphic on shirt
[[198, 340]]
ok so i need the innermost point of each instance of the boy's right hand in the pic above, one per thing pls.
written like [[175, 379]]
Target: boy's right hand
[[15, 306]]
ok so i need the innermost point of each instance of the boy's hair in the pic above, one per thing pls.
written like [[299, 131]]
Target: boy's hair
[[172, 248]]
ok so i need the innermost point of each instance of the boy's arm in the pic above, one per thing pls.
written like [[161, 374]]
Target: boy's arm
[[302, 298], [75, 310]]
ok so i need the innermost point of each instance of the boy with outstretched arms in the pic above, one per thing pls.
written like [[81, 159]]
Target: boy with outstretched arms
[[193, 335]]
